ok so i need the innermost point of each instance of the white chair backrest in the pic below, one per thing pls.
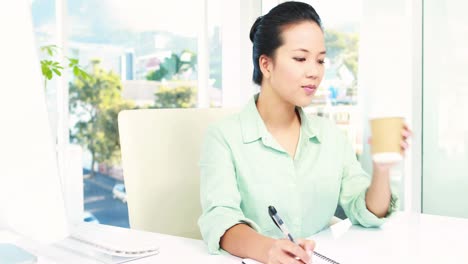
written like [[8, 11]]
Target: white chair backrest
[[160, 154]]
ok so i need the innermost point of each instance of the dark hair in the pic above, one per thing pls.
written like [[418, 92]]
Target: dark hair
[[265, 33]]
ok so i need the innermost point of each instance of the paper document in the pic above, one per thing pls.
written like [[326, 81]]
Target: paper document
[[317, 258]]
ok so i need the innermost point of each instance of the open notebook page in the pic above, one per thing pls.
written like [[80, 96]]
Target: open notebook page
[[317, 258], [324, 249]]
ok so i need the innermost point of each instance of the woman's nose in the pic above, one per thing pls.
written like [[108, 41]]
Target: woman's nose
[[312, 72]]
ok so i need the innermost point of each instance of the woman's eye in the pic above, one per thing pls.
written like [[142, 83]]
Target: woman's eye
[[321, 61], [300, 59]]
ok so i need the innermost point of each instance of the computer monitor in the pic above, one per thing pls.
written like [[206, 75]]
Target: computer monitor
[[31, 199]]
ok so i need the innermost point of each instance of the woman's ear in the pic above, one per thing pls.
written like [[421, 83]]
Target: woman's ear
[[266, 65]]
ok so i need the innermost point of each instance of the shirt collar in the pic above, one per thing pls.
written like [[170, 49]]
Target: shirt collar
[[253, 128], [252, 124], [310, 126]]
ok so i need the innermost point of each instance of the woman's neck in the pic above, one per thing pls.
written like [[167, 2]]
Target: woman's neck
[[274, 111]]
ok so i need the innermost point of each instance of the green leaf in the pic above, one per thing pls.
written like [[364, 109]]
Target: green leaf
[[49, 75], [73, 61], [57, 72], [85, 74], [49, 49], [76, 71], [44, 68]]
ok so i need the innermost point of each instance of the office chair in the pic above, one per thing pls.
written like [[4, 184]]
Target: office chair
[[160, 154]]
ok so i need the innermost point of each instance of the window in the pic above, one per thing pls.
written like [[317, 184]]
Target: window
[[139, 54], [215, 43], [445, 126], [142, 54], [137, 50]]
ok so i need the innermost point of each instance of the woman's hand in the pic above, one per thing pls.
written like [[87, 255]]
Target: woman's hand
[[284, 251], [405, 133], [378, 195]]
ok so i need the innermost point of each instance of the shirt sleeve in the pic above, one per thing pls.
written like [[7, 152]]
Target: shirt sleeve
[[219, 194], [354, 184]]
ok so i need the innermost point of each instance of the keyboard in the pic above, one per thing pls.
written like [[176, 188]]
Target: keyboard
[[112, 241]]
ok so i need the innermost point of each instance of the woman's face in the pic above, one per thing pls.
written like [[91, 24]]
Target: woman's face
[[298, 65]]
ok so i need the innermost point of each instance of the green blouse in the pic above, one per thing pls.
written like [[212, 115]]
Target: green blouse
[[244, 170]]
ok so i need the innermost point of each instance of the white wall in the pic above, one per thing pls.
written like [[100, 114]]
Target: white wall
[[237, 51]]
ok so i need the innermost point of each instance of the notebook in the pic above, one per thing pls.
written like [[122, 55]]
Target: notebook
[[316, 259]]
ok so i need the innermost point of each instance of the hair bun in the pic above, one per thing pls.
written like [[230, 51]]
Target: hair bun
[[255, 26]]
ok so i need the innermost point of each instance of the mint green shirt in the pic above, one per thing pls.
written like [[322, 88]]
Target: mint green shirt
[[243, 170]]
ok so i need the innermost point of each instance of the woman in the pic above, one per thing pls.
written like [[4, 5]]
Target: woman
[[271, 153]]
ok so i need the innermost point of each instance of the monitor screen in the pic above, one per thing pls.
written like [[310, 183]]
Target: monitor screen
[[31, 199]]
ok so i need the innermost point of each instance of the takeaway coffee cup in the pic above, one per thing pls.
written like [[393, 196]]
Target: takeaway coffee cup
[[386, 139]]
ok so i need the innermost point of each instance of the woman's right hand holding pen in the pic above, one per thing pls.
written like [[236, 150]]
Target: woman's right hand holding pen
[[284, 251], [287, 251]]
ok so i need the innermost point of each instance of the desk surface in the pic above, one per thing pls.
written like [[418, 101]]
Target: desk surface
[[405, 238]]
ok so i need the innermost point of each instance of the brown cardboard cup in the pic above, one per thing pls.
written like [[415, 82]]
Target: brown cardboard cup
[[386, 139]]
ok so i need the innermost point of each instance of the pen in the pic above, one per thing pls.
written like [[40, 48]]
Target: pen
[[280, 224]]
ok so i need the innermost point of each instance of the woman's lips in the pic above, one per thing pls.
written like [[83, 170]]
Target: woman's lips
[[309, 89]]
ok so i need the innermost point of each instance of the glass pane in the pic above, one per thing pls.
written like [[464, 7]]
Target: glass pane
[[214, 22], [134, 54], [445, 125]]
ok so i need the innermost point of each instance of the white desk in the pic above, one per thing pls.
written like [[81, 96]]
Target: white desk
[[406, 238], [172, 250]]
